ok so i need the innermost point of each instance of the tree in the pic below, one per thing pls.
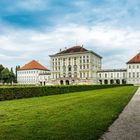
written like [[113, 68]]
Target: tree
[[6, 75], [1, 68], [12, 76], [17, 67]]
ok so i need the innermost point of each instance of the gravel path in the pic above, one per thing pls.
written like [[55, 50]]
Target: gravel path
[[127, 126]]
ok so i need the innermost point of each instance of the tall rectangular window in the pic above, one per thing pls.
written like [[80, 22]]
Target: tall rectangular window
[[137, 74], [111, 75], [129, 74], [133, 74]]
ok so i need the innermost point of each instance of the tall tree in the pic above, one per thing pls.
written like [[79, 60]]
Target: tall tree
[[1, 68], [17, 67], [6, 75], [12, 76]]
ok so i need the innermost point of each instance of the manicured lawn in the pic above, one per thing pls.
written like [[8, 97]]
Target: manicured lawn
[[77, 116]]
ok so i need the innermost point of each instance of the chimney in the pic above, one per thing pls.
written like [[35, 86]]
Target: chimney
[[60, 50]]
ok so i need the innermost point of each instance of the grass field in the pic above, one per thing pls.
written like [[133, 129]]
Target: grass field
[[77, 116]]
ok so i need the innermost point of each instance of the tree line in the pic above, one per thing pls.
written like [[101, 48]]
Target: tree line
[[7, 75]]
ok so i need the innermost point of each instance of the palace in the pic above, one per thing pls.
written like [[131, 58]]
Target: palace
[[33, 73], [77, 65], [133, 70]]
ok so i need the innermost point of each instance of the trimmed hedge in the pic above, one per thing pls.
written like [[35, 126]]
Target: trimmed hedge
[[18, 92]]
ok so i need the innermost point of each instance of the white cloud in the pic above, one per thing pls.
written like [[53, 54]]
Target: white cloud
[[115, 45]]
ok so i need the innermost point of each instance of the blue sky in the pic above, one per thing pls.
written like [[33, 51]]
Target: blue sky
[[34, 29]]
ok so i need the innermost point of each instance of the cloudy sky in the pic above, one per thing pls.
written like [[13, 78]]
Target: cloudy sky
[[34, 29]]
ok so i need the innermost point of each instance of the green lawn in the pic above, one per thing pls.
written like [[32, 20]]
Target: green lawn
[[77, 116]]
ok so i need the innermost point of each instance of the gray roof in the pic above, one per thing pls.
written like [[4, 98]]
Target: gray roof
[[75, 49], [113, 70]]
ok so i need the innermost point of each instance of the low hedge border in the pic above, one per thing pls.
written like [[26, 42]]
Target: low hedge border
[[18, 92]]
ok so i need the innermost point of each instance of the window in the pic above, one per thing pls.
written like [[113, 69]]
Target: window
[[129, 75], [74, 60], [118, 75], [64, 68], [105, 75], [69, 61], [69, 68], [87, 74], [69, 74], [124, 75], [75, 67], [84, 75], [80, 75], [75, 74], [63, 61], [83, 60], [133, 74], [137, 74], [111, 75]]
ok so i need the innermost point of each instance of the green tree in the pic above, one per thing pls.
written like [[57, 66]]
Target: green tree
[[17, 67], [1, 68], [12, 76], [6, 74]]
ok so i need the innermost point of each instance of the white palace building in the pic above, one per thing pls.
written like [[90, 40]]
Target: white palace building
[[77, 65], [33, 73]]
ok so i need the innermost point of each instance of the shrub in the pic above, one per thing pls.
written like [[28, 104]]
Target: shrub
[[18, 92]]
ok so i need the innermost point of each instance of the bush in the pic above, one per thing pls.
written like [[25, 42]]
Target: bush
[[18, 92]]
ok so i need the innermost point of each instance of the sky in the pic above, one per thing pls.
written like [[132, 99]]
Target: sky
[[35, 29]]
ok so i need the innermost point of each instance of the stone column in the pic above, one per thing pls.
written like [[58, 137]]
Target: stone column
[[120, 81], [109, 82]]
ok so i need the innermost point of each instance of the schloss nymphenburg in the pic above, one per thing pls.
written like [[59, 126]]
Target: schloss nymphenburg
[[77, 65]]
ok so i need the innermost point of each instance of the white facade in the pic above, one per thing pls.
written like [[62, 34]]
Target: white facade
[[31, 77], [133, 73], [112, 76], [44, 78], [130, 76], [75, 68], [33, 73], [77, 65]]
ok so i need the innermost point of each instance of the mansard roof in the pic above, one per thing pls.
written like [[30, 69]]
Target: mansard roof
[[33, 65], [135, 59], [75, 49]]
